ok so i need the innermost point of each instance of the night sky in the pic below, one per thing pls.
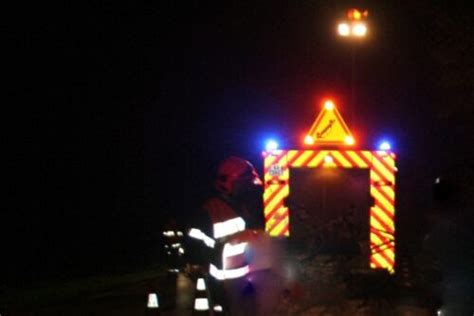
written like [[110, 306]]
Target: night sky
[[124, 112]]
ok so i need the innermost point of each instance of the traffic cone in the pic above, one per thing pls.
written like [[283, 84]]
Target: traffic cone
[[153, 305], [201, 300], [218, 309]]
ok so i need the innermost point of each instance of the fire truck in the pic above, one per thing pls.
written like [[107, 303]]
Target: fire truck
[[332, 205]]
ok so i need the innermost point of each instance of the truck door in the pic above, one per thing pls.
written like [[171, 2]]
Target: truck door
[[329, 210]]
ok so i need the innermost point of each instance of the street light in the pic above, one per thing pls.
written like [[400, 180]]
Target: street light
[[344, 29], [359, 29], [354, 27]]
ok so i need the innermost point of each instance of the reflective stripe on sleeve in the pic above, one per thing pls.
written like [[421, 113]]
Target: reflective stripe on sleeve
[[228, 227], [198, 234]]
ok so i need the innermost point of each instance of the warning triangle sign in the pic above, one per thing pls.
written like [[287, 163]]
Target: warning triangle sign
[[329, 128]]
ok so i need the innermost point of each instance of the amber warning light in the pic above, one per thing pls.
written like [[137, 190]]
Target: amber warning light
[[329, 128], [355, 14]]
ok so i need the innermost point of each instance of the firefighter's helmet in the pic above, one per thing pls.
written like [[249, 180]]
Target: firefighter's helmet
[[234, 173]]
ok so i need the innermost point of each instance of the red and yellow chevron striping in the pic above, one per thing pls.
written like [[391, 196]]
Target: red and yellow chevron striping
[[381, 165]]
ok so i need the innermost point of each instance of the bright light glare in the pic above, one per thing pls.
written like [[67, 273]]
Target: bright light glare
[[343, 29], [218, 308], [328, 159], [329, 105], [359, 29], [349, 140], [385, 146], [271, 145], [308, 140]]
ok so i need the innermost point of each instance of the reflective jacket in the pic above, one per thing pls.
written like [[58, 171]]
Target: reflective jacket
[[220, 230]]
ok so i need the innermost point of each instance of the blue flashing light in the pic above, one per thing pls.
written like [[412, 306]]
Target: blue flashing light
[[385, 145], [271, 145]]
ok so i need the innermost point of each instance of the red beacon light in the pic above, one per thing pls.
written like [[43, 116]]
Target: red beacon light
[[329, 105]]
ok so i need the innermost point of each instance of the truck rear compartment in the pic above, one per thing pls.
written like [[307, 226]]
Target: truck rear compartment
[[329, 211]]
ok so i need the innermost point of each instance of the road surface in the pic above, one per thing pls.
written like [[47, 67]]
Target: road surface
[[124, 300]]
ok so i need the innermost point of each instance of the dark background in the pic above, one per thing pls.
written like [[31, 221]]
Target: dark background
[[121, 113]]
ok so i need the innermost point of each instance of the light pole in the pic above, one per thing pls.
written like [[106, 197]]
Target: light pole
[[354, 29]]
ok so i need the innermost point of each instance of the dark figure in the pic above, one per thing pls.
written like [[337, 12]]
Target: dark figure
[[226, 241]]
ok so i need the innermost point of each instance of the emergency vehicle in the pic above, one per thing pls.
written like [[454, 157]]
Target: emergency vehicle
[[332, 204]]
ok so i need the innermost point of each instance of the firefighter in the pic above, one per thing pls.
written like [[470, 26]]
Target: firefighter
[[223, 235]]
